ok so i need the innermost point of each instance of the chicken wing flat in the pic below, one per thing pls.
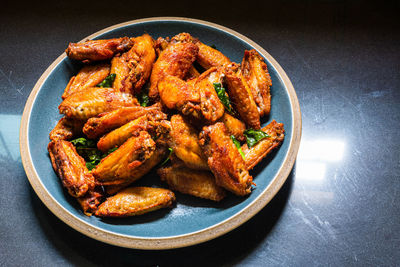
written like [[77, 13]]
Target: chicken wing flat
[[133, 68], [136, 201], [175, 60], [185, 144], [211, 107], [156, 157], [90, 201], [177, 94], [93, 101], [255, 73], [192, 182], [122, 164], [70, 168], [207, 57], [224, 159], [96, 50], [106, 122], [241, 96], [66, 129], [256, 153], [88, 76], [234, 126]]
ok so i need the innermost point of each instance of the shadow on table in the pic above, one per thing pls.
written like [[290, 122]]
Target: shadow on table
[[228, 249]]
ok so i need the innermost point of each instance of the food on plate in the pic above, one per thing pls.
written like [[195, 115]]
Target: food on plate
[[175, 105]]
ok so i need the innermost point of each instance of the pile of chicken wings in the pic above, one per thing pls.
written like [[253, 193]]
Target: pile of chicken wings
[[175, 104]]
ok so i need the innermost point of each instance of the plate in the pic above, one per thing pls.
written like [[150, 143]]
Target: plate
[[193, 220]]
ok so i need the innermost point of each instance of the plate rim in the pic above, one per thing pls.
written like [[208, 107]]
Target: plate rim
[[158, 243]]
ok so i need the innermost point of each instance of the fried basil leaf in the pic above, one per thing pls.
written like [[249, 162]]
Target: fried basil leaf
[[238, 146], [223, 96], [167, 158], [254, 136], [143, 99], [108, 81]]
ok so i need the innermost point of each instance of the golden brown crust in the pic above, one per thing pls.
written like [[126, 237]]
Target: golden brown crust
[[70, 168], [175, 60], [185, 144], [122, 164], [255, 73], [136, 201], [66, 129], [193, 182], [209, 57], [93, 101], [133, 68], [224, 159], [256, 153], [106, 122], [235, 127], [96, 50], [88, 76], [241, 97]]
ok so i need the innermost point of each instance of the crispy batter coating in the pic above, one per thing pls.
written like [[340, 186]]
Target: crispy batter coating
[[255, 73], [211, 107], [175, 60], [93, 101], [256, 153], [96, 50], [122, 164], [185, 143], [133, 68], [193, 182], [91, 200], [224, 159], [136, 201], [106, 122], [235, 127], [241, 96], [88, 76], [66, 129], [70, 168]]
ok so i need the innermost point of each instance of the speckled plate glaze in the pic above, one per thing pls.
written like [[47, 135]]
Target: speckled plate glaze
[[192, 220]]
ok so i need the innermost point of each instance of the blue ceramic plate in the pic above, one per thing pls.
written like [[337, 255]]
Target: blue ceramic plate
[[193, 220]]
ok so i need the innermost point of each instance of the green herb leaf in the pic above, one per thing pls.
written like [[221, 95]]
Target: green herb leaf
[[213, 46], [238, 146], [83, 142], [254, 136], [223, 96], [143, 99], [108, 81], [169, 155]]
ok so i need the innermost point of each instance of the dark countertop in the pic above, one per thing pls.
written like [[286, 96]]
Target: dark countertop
[[340, 204]]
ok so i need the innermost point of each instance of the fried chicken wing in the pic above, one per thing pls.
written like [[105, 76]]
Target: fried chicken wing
[[88, 76], [256, 153], [185, 143], [192, 182], [235, 127], [177, 94], [241, 96], [255, 73], [66, 129], [96, 50], [133, 68], [90, 201], [136, 201], [211, 107], [175, 60], [70, 168], [123, 163], [106, 122], [224, 159], [93, 101]]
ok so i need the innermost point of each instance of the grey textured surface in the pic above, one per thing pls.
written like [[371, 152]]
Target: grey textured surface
[[340, 204]]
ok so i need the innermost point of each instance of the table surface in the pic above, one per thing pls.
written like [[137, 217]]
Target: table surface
[[340, 203]]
